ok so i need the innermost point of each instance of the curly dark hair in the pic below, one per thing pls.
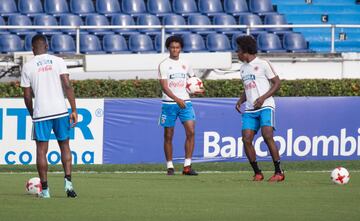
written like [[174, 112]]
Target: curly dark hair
[[247, 44], [38, 38], [174, 38]]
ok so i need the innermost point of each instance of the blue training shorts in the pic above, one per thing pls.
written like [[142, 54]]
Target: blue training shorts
[[171, 111], [257, 119], [60, 126]]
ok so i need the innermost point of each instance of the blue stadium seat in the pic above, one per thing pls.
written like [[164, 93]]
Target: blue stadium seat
[[2, 23], [185, 7], [20, 20], [10, 43], [123, 20], [174, 19], [82, 7], [30, 7], [56, 7], [62, 44], [8, 7], [90, 44], [199, 19], [210, 7], [108, 7], [46, 20], [217, 42], [261, 7], [158, 43], [295, 42], [140, 43], [148, 19], [193, 43], [115, 44], [225, 19], [27, 41], [276, 19], [159, 7], [269, 42], [233, 40], [133, 7], [98, 20], [70, 20], [251, 19], [236, 7]]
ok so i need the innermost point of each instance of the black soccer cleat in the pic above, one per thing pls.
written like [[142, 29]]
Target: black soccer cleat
[[188, 171], [170, 172], [71, 194]]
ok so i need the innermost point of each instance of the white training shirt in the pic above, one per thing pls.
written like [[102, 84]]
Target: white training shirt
[[42, 74], [176, 72], [256, 77]]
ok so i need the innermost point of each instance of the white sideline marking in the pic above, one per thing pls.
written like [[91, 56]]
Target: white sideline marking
[[163, 172]]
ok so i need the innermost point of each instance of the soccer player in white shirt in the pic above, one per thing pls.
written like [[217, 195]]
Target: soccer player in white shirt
[[173, 73], [260, 84], [46, 77]]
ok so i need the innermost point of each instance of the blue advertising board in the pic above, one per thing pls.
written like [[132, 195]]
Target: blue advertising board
[[307, 128]]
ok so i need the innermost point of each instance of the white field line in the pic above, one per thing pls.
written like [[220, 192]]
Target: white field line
[[162, 172]]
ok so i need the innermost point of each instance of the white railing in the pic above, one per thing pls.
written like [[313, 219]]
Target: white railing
[[163, 28]]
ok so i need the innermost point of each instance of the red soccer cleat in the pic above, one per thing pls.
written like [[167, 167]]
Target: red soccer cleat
[[277, 177], [189, 172], [258, 177]]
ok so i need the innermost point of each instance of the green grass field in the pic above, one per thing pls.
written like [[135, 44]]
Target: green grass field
[[225, 192]]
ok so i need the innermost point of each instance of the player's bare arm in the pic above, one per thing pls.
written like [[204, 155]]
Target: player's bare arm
[[275, 86], [167, 91], [28, 99], [69, 92], [241, 100]]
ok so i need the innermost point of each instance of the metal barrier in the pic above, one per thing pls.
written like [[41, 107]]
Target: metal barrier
[[163, 28]]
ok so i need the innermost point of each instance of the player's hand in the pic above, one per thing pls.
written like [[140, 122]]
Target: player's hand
[[259, 102], [200, 92], [181, 103], [73, 118], [238, 106]]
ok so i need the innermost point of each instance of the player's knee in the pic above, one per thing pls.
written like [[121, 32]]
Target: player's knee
[[247, 140], [190, 133], [268, 137]]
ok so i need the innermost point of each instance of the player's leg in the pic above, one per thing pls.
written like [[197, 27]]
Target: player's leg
[[250, 125], [187, 117], [41, 135], [167, 120], [267, 130], [61, 129]]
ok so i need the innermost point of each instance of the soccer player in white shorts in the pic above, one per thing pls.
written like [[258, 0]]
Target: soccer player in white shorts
[[260, 84], [173, 73], [46, 76]]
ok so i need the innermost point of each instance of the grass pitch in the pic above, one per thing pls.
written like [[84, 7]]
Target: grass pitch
[[225, 195]]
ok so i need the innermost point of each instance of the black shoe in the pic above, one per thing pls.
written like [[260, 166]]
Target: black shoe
[[170, 172], [189, 172], [71, 194]]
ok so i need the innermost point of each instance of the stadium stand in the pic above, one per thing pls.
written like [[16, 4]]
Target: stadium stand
[[193, 12], [90, 44], [10, 43], [27, 42], [193, 43], [56, 7], [269, 42]]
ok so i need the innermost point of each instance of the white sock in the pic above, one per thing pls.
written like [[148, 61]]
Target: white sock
[[187, 162], [169, 164]]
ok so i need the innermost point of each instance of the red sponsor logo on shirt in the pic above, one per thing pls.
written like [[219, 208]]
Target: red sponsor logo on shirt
[[45, 68], [176, 84], [250, 85]]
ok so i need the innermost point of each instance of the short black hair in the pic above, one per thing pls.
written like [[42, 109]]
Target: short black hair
[[174, 38], [247, 44], [38, 38]]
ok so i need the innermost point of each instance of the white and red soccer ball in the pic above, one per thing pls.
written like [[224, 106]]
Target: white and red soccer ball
[[33, 186], [194, 85], [340, 175]]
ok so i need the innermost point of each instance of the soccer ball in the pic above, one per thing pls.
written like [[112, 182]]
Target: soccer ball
[[193, 85], [340, 176], [33, 186]]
